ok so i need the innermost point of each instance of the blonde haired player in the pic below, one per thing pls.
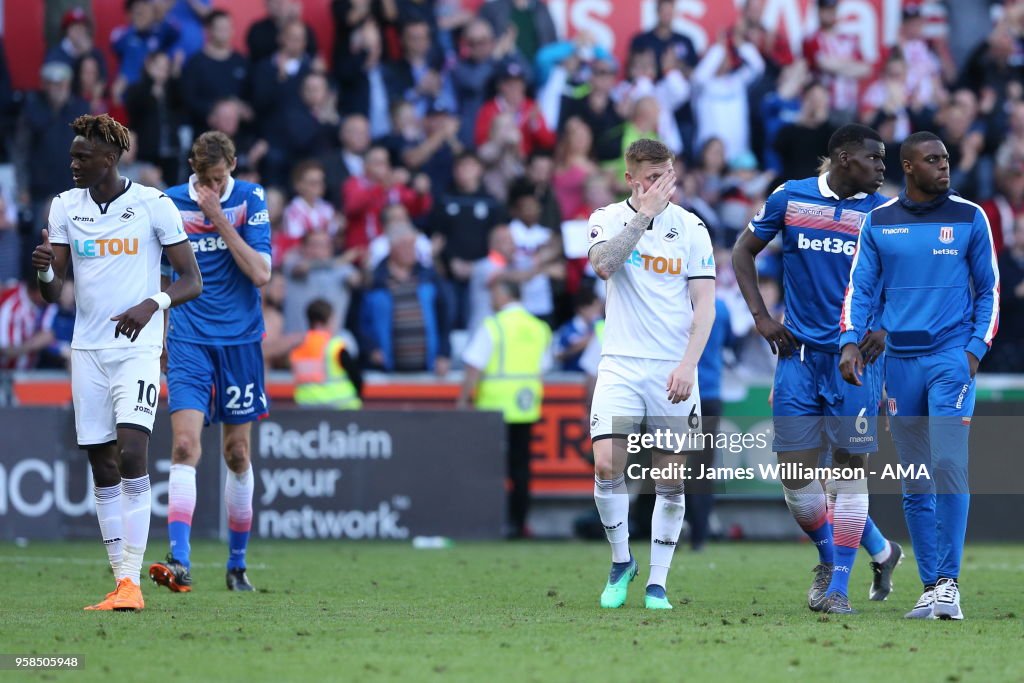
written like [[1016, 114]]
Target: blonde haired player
[[658, 261], [114, 231]]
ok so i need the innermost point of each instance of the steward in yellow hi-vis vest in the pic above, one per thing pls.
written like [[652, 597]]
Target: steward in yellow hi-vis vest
[[504, 361], [319, 364]]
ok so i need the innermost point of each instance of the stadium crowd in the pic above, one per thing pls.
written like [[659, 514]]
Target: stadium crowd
[[435, 150]]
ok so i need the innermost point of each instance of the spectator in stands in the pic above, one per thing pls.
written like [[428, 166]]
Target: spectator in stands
[[324, 370], [144, 33], [780, 106], [798, 145], [995, 64], [403, 319], [971, 173], [1007, 353], [502, 155], [313, 271], [720, 100], [366, 195], [1006, 206], [350, 17], [670, 91], [276, 201], [418, 76], [662, 39], [434, 152], [189, 17], [155, 109], [276, 81], [529, 21], [835, 59], [573, 336], [10, 242], [499, 262], [595, 107], [340, 164], [711, 170], [511, 98], [88, 83], [227, 117], [363, 79], [773, 45], [23, 333], [540, 173], [277, 343], [924, 64], [406, 130], [308, 212], [42, 139], [77, 42], [311, 124], [460, 224], [537, 249], [473, 73], [643, 121], [395, 216], [264, 36], [573, 165], [215, 73]]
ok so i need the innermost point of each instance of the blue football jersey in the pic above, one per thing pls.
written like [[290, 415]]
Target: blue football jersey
[[229, 309], [819, 238]]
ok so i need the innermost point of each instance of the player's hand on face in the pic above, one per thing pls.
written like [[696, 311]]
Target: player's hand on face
[[656, 198], [872, 345], [681, 382], [851, 364], [209, 202], [972, 363], [131, 322], [779, 338], [42, 255]]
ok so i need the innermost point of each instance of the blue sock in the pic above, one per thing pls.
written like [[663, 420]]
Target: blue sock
[[181, 550], [238, 541], [872, 539], [822, 539], [841, 569]]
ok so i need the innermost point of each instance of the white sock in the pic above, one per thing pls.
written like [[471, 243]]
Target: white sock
[[807, 504], [612, 500], [136, 502], [666, 523], [883, 555], [108, 513], [238, 490], [851, 511]]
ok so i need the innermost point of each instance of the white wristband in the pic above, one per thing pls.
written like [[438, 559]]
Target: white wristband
[[45, 275], [162, 300]]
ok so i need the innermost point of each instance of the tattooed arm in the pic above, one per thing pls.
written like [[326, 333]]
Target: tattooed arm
[[607, 257]]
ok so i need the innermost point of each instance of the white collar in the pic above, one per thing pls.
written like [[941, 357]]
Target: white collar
[[827, 192], [192, 189]]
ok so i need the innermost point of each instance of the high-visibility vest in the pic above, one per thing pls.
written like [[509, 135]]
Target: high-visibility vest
[[599, 331], [319, 378], [511, 381]]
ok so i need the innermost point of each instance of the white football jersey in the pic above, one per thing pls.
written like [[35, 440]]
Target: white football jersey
[[115, 253], [648, 311]]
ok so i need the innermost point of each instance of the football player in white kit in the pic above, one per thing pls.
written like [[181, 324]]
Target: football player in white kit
[[658, 261], [113, 231]]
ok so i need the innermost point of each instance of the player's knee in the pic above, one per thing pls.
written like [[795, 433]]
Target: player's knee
[[134, 452], [236, 455], [105, 471], [186, 450], [604, 462]]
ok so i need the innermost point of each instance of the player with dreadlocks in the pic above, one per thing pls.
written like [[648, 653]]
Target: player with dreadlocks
[[114, 231]]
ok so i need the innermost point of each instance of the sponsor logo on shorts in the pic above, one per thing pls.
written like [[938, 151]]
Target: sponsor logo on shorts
[[143, 409], [960, 398], [892, 406]]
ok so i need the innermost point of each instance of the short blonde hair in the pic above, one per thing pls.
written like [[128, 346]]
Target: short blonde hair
[[648, 149]]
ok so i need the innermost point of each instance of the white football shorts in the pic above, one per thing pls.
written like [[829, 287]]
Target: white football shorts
[[630, 390], [114, 388]]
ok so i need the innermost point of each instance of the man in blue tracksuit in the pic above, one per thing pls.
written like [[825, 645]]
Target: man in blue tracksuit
[[928, 253]]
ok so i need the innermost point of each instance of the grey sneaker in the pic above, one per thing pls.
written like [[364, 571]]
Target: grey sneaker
[[837, 603], [816, 595], [947, 600], [881, 579], [925, 607]]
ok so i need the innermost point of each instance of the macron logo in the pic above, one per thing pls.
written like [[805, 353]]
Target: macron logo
[[895, 231]]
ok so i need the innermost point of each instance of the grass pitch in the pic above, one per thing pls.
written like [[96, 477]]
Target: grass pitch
[[495, 612]]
